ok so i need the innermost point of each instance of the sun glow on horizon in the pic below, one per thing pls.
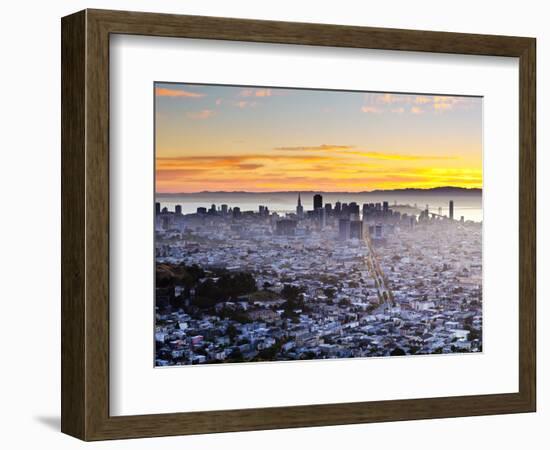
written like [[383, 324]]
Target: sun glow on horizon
[[227, 138]]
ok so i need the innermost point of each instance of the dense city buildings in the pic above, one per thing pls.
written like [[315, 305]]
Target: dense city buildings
[[340, 280]]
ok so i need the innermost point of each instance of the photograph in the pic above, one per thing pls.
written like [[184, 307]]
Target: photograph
[[305, 224]]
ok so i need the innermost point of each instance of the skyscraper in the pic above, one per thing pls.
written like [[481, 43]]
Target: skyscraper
[[317, 201], [356, 229], [299, 208], [178, 210], [451, 210], [354, 209], [285, 227], [157, 208], [321, 217], [344, 229]]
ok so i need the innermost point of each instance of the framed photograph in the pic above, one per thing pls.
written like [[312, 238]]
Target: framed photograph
[[273, 225]]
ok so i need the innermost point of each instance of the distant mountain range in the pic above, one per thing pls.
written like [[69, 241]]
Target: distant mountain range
[[444, 190]]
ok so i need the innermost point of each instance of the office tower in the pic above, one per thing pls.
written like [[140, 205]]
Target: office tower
[[299, 208], [356, 229], [164, 210], [328, 209], [212, 209], [378, 231], [337, 208], [462, 219], [236, 211], [368, 211], [385, 207], [178, 210], [343, 229], [451, 210], [166, 222], [378, 206], [201, 210], [321, 217], [157, 208], [354, 210], [317, 201], [224, 210], [261, 210], [285, 227]]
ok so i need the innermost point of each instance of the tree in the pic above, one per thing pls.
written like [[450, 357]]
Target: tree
[[231, 331], [397, 351], [290, 292], [236, 355], [210, 292], [345, 302]]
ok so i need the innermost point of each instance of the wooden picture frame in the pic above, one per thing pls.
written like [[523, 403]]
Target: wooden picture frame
[[85, 224]]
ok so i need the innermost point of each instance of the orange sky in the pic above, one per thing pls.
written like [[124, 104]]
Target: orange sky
[[220, 138]]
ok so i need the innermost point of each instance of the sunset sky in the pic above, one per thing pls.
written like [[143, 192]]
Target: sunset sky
[[227, 138]]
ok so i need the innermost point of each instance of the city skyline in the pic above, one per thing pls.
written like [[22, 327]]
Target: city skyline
[[333, 280], [230, 138]]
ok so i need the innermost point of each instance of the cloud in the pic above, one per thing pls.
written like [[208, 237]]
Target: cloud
[[200, 115], [177, 174], [370, 109], [272, 171], [249, 166], [351, 150], [357, 180], [422, 100], [263, 93], [175, 93], [400, 156], [441, 103], [415, 104], [245, 104], [390, 98], [256, 93], [222, 161], [322, 147], [442, 106]]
